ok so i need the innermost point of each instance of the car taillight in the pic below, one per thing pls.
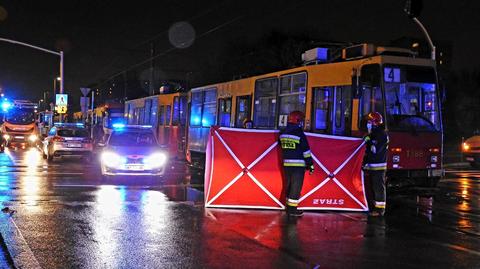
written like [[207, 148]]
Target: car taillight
[[58, 139]]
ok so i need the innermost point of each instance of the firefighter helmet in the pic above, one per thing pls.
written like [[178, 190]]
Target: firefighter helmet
[[247, 123], [375, 118], [296, 117]]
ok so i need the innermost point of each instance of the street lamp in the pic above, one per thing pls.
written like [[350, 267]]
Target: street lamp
[[44, 50]]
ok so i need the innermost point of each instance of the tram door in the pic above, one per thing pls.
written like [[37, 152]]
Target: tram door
[[242, 111], [332, 110]]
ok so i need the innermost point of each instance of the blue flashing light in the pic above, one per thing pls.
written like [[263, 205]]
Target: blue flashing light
[[79, 124], [118, 125], [196, 120], [6, 105], [205, 122]]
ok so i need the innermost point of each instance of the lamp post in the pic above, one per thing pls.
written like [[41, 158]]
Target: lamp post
[[55, 86], [44, 50]]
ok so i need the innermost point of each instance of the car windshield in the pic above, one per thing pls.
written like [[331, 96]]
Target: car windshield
[[132, 139], [73, 133], [411, 99], [20, 116]]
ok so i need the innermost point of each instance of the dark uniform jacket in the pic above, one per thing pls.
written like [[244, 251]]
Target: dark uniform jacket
[[295, 148], [376, 150]]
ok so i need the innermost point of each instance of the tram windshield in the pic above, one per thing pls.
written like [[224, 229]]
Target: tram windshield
[[411, 98]]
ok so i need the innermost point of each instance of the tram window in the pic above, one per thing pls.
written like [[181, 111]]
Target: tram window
[[209, 108], [265, 102], [182, 110], [176, 111], [141, 113], [343, 100], [168, 114], [130, 113], [148, 107], [338, 108], [292, 96], [196, 109], [321, 108], [243, 110], [372, 97], [154, 110], [224, 111], [161, 114]]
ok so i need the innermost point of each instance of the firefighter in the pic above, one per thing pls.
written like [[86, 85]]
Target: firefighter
[[296, 159], [375, 162]]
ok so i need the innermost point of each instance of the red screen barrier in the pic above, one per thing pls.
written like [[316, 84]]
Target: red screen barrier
[[243, 170]]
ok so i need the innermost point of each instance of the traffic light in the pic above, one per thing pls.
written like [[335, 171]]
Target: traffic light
[[413, 8]]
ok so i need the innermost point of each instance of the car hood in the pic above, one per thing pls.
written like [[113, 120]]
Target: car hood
[[474, 140], [140, 151]]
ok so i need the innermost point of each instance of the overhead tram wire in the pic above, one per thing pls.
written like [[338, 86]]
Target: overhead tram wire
[[286, 9], [165, 52], [158, 35]]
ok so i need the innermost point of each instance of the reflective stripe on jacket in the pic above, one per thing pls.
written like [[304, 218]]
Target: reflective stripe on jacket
[[295, 149]]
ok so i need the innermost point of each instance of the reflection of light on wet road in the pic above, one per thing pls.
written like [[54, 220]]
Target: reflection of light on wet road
[[32, 160], [464, 206], [110, 205], [154, 207], [110, 199], [30, 190]]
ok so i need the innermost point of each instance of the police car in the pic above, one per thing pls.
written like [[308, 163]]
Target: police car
[[132, 150]]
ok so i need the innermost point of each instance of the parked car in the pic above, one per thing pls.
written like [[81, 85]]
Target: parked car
[[132, 150], [471, 150], [67, 139]]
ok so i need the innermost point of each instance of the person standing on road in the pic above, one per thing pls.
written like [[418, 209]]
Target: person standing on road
[[375, 162], [296, 158]]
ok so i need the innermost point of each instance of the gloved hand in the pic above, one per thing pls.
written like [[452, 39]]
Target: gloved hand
[[311, 169]]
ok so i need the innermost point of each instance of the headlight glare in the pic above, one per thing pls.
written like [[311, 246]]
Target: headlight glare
[[6, 137], [33, 138], [111, 159], [155, 160]]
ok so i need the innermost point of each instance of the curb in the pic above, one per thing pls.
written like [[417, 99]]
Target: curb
[[17, 248]]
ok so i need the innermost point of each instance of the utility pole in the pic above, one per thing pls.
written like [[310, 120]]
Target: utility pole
[[151, 89]]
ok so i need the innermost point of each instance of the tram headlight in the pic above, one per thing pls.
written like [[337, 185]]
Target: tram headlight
[[434, 159], [466, 146], [6, 137], [396, 158]]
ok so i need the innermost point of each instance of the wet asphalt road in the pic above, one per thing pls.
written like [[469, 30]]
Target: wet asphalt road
[[70, 218]]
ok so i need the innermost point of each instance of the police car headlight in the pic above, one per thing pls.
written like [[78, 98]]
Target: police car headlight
[[155, 160], [111, 159], [6, 137], [32, 138]]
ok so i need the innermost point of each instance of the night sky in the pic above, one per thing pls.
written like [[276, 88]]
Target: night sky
[[102, 38]]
